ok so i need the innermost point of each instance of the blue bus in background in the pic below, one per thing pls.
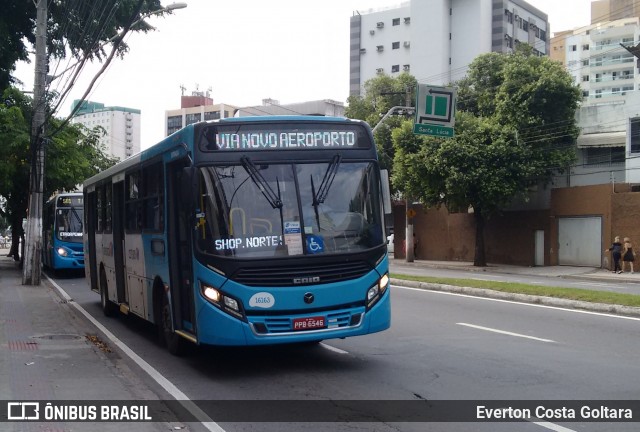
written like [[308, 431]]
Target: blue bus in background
[[244, 231], [62, 218]]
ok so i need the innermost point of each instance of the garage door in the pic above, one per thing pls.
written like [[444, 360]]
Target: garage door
[[580, 241]]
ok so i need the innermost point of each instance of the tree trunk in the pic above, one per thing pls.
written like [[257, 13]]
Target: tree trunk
[[480, 260]]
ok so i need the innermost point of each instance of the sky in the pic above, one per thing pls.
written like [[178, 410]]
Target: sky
[[243, 51]]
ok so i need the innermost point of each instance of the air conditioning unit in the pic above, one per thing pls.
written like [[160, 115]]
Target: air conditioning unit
[[379, 70], [380, 48], [372, 32], [407, 44], [380, 24], [363, 50], [406, 67]]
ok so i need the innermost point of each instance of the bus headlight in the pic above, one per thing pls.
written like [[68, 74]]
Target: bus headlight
[[63, 252], [221, 300], [375, 292]]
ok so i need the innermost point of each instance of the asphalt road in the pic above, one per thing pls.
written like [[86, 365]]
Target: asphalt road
[[440, 347]]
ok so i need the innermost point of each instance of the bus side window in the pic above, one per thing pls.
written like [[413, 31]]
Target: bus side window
[[100, 209]]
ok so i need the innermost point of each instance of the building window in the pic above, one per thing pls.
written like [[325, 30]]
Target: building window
[[395, 21], [509, 15], [211, 115], [395, 45], [585, 62], [585, 78], [585, 47], [193, 118], [395, 68], [407, 20], [604, 156], [585, 94], [508, 41], [573, 47], [635, 135]]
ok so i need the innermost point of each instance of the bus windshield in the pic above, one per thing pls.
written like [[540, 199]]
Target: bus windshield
[[69, 224], [285, 209]]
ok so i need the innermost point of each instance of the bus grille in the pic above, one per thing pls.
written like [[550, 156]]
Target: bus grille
[[297, 276]]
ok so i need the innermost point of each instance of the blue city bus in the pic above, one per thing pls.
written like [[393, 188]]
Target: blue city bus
[[62, 218], [244, 231]]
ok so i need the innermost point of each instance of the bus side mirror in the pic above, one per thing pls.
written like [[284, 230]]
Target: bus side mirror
[[189, 184], [386, 191]]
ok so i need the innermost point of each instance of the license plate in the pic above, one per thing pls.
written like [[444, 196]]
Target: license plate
[[308, 323]]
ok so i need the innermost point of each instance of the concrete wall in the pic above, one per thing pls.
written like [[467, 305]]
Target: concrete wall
[[510, 237]]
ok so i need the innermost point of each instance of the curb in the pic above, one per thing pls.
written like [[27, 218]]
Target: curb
[[523, 298]]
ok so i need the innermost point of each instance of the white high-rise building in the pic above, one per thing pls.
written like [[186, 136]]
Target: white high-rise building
[[598, 62], [122, 126], [436, 40]]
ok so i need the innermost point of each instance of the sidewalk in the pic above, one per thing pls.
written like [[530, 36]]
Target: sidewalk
[[49, 352], [574, 272], [420, 267]]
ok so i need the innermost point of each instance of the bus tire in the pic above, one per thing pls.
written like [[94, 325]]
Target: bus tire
[[174, 343], [108, 307]]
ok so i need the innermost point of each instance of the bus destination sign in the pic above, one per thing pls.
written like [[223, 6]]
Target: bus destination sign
[[70, 201], [281, 137]]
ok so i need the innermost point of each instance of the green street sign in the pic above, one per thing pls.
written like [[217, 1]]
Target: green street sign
[[434, 130], [435, 110]]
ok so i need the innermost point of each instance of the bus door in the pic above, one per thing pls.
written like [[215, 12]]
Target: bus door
[[118, 239], [180, 252], [90, 217]]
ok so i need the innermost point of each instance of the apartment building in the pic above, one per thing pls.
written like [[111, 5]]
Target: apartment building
[[435, 40], [194, 108], [121, 126], [608, 77]]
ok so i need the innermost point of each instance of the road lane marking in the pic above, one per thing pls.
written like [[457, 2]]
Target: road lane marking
[[580, 311], [552, 426], [506, 332], [170, 388]]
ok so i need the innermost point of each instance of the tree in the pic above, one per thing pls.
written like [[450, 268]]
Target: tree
[[80, 28], [381, 94], [73, 155], [515, 127]]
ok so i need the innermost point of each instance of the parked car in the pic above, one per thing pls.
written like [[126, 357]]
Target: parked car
[[390, 243]]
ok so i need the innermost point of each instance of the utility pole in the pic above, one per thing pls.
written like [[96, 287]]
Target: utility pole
[[409, 211], [33, 237]]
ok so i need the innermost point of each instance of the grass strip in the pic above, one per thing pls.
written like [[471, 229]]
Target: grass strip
[[521, 288]]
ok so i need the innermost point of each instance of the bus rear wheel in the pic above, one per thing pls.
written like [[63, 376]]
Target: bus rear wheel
[[174, 343], [108, 307]]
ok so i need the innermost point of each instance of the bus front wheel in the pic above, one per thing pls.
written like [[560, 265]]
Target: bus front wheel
[[108, 307], [174, 343]]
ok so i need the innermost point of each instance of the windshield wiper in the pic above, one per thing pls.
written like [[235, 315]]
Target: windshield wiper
[[327, 180], [274, 199], [325, 185]]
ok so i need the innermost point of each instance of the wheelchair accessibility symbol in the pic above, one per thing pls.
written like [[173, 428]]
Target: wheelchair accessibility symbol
[[315, 244]]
